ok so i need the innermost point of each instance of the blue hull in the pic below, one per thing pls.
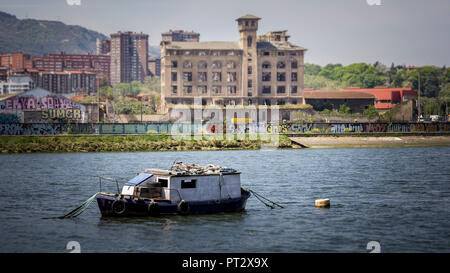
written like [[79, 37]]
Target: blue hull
[[111, 205]]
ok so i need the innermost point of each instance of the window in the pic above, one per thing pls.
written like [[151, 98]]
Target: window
[[266, 76], [281, 76], [231, 89], [231, 65], [281, 65], [231, 76], [281, 89], [187, 76], [187, 64], [281, 102], [294, 76], [174, 64], [266, 89], [280, 53], [266, 65], [294, 64], [202, 76], [216, 65], [217, 89], [249, 83], [294, 89], [188, 184], [217, 76], [249, 41], [249, 70], [266, 53], [202, 65], [202, 53], [174, 89], [202, 89], [267, 102], [163, 182], [174, 76], [187, 89]]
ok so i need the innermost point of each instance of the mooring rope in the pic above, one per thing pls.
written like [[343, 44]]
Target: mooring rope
[[260, 198], [78, 210]]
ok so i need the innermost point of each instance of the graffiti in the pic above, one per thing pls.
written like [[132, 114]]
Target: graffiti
[[61, 114], [13, 128], [37, 103], [9, 118]]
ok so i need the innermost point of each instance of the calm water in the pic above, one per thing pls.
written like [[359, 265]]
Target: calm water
[[398, 197]]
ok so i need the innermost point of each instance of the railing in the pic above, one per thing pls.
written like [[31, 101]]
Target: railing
[[100, 178]]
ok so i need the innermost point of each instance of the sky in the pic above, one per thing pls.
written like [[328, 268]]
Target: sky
[[404, 32]]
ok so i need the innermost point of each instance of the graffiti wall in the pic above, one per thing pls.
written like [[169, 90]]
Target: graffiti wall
[[13, 128]]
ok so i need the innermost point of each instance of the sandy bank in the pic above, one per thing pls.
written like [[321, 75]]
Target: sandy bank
[[374, 142]]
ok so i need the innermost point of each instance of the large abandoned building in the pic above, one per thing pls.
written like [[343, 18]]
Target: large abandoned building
[[256, 70]]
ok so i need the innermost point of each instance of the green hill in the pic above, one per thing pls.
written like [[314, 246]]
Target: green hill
[[38, 37]]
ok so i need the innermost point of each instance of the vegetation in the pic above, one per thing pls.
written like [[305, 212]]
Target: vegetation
[[144, 143]]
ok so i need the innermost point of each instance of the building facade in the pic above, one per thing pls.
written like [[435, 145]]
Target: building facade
[[264, 70], [16, 84], [387, 97], [180, 36], [103, 47], [65, 82], [154, 66], [129, 57], [14, 62]]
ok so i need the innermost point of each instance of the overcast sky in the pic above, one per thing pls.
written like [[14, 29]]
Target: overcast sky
[[411, 32]]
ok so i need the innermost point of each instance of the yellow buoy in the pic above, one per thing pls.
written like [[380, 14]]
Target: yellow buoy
[[323, 203]]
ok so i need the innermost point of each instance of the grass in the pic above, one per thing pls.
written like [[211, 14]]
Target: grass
[[133, 143]]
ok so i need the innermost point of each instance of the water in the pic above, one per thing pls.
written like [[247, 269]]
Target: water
[[398, 197]]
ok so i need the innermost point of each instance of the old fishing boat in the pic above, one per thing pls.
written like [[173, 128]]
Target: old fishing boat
[[182, 189]]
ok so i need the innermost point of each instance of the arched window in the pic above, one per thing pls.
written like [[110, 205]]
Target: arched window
[[249, 41], [281, 64], [187, 64], [266, 65], [202, 65], [216, 65]]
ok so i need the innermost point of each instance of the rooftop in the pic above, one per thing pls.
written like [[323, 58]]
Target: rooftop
[[248, 16], [325, 94], [204, 45]]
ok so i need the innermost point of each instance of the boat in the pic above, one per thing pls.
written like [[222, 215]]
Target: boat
[[183, 189]]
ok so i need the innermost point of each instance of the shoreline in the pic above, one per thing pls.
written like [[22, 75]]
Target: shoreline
[[326, 142]]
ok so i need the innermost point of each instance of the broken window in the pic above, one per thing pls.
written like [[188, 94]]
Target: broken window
[[267, 102], [216, 89], [231, 53], [187, 76], [266, 65], [202, 65], [202, 53], [231, 76], [187, 53], [231, 90], [294, 76], [187, 64], [266, 53], [281, 89], [281, 102], [281, 65], [294, 64], [174, 89], [217, 76], [216, 53], [280, 53], [188, 184], [202, 77], [231, 65], [281, 76], [266, 89], [187, 89], [216, 65], [174, 76], [202, 89], [266, 76], [174, 64]]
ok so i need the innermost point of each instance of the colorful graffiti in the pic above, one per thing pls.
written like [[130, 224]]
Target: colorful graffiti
[[9, 118], [13, 128]]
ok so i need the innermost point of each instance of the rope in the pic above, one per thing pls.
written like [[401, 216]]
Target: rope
[[261, 198], [78, 210]]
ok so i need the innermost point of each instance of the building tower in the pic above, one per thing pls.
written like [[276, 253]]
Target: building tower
[[248, 26]]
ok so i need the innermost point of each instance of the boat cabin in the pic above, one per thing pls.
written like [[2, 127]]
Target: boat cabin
[[175, 186]]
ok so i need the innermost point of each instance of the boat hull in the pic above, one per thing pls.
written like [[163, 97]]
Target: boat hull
[[117, 206]]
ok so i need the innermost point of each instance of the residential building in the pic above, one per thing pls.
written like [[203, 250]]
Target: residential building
[[180, 36], [65, 82], [129, 57], [16, 84], [264, 70], [103, 47], [154, 66], [15, 62]]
